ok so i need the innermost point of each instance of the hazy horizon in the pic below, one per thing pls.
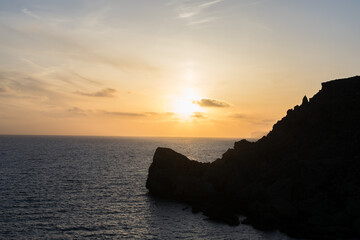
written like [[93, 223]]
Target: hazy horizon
[[120, 136], [168, 68]]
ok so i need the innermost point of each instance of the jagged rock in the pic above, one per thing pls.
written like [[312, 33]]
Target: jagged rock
[[305, 100], [303, 177]]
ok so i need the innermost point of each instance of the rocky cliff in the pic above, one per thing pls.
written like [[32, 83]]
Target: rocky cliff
[[302, 178]]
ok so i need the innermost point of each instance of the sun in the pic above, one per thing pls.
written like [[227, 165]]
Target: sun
[[184, 106]]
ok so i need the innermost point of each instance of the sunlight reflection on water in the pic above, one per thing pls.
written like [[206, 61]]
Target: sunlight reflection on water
[[93, 187]]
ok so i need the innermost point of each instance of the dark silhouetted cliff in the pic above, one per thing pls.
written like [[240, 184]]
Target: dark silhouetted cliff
[[302, 178]]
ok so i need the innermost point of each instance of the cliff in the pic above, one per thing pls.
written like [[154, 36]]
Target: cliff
[[302, 178]]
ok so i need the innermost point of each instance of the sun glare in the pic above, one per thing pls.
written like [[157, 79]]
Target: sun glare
[[184, 105]]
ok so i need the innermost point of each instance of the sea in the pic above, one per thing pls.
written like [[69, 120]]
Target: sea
[[72, 187]]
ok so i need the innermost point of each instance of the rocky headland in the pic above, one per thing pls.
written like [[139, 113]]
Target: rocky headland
[[302, 178]]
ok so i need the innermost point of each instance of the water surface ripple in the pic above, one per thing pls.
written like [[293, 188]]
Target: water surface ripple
[[94, 188]]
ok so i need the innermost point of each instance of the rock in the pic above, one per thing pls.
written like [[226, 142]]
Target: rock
[[173, 175], [242, 145], [302, 177], [305, 101]]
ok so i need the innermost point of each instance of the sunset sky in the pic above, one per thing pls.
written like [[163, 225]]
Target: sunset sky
[[200, 68]]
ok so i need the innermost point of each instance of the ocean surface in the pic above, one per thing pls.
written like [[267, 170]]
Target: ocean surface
[[94, 188]]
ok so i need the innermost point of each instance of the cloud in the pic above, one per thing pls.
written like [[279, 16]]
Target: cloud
[[258, 120], [125, 114], [209, 3], [206, 102], [198, 115], [153, 114], [30, 14], [201, 21], [238, 116], [191, 9], [194, 11], [77, 111], [107, 92], [149, 115], [85, 79], [22, 85], [50, 40], [20, 82], [186, 14]]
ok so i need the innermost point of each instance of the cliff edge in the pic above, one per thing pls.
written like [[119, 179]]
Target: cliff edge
[[303, 177]]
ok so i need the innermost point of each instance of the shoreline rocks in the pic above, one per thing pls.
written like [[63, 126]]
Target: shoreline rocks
[[302, 178]]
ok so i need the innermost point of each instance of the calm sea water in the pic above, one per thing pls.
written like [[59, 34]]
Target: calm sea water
[[94, 188]]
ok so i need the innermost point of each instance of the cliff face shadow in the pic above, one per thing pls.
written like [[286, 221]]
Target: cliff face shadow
[[303, 177]]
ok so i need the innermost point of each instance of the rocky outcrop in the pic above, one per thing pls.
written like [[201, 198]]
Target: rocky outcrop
[[174, 176], [302, 178]]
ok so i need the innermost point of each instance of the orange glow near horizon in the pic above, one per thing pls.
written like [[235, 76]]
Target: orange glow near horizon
[[170, 68]]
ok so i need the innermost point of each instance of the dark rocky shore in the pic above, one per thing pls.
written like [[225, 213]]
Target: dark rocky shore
[[302, 178]]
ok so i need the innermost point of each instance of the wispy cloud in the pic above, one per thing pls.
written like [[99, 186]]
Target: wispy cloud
[[202, 21], [198, 115], [193, 8], [22, 85], [49, 40], [107, 92], [238, 116], [154, 114], [194, 12], [150, 115], [86, 79], [125, 114], [206, 102], [30, 13], [24, 91], [77, 111], [252, 119]]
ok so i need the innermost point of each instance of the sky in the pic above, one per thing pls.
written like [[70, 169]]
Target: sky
[[175, 68]]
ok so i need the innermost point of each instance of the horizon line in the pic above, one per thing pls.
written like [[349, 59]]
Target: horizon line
[[123, 136]]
